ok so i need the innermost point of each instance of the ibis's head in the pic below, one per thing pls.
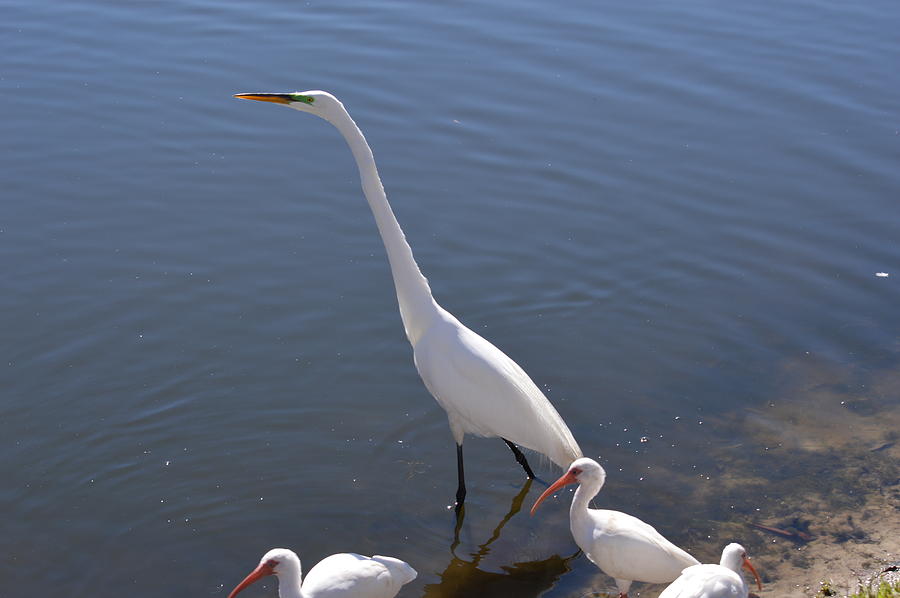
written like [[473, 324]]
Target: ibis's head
[[320, 103], [278, 561], [581, 471], [734, 557]]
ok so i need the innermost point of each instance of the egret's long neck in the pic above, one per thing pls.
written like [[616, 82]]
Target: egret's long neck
[[289, 580], [417, 306]]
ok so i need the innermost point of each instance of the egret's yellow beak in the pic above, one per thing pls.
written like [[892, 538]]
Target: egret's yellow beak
[[278, 98]]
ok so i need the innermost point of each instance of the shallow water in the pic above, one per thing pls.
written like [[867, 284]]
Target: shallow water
[[671, 216]]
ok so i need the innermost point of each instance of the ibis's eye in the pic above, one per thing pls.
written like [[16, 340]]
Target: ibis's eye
[[576, 471], [271, 563]]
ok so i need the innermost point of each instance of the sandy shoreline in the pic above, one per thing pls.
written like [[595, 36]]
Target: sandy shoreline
[[842, 425], [828, 447]]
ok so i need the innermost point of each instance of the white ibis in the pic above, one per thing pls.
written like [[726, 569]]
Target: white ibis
[[624, 547], [344, 575], [483, 391], [715, 581]]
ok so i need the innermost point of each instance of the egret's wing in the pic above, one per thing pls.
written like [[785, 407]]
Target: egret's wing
[[487, 394]]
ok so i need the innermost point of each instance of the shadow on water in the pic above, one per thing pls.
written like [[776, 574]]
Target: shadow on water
[[464, 577]]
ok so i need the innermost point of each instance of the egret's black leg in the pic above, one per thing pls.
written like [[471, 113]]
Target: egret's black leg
[[461, 488], [520, 458]]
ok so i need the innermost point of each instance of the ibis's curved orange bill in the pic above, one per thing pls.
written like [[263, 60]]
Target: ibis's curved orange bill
[[565, 480]]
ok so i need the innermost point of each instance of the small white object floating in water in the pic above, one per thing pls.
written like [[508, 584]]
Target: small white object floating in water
[[882, 274]]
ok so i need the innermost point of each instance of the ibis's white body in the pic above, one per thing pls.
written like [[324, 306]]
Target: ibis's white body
[[483, 391], [349, 575], [707, 581], [626, 548], [712, 581]]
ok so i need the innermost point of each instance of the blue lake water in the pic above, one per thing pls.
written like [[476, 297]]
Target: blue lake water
[[672, 215]]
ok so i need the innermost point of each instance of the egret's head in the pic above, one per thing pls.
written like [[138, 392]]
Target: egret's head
[[275, 562], [320, 103], [581, 471]]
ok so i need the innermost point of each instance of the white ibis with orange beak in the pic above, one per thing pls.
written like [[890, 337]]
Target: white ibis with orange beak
[[344, 575], [715, 581], [624, 547]]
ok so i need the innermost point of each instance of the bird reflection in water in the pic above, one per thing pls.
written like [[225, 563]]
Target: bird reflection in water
[[464, 578]]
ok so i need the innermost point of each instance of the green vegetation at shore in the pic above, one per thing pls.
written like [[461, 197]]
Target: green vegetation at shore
[[882, 590]]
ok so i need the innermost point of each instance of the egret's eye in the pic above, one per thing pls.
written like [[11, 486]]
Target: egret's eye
[[302, 98]]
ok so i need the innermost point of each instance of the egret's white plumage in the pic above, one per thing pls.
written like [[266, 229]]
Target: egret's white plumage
[[345, 575], [483, 391], [622, 546], [715, 581]]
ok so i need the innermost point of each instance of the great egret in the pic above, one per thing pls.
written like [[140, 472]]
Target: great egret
[[483, 391], [715, 581], [624, 547], [344, 575]]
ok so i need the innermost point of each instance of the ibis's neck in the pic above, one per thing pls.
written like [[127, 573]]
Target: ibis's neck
[[732, 562], [417, 306], [580, 520], [289, 580], [583, 495]]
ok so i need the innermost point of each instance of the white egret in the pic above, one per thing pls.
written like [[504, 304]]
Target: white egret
[[484, 392], [624, 547], [715, 581], [344, 575]]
